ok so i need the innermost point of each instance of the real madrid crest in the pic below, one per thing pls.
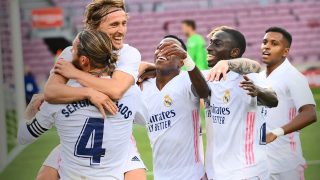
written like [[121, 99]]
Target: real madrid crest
[[167, 101], [226, 96]]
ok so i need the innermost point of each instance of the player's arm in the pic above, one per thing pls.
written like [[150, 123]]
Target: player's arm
[[302, 97], [265, 96], [198, 82], [239, 65], [57, 92], [33, 128], [114, 87]]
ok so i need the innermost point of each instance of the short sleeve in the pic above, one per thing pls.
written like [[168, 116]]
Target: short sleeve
[[300, 91], [129, 61], [45, 116]]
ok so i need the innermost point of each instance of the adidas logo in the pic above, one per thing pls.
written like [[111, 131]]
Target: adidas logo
[[135, 159]]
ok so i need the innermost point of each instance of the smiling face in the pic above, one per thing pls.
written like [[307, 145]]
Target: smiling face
[[274, 48], [115, 26], [220, 48], [169, 63]]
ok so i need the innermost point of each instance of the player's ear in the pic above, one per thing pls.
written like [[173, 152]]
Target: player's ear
[[286, 52], [235, 52], [84, 60]]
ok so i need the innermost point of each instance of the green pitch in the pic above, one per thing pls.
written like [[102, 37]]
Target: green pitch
[[27, 163]]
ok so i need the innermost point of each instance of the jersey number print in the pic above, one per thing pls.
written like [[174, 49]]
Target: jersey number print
[[89, 143]]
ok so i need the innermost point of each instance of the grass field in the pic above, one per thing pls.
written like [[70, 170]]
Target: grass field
[[27, 163]]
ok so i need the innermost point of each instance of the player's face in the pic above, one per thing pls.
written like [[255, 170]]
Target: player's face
[[273, 48], [169, 63], [219, 48], [75, 57], [115, 26], [185, 29]]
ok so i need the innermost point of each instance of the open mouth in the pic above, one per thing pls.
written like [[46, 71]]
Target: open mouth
[[211, 57], [266, 53], [161, 59]]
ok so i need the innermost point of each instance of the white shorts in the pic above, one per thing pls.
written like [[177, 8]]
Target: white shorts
[[134, 160], [295, 174]]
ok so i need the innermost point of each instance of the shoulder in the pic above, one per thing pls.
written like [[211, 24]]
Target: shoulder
[[129, 50], [66, 54]]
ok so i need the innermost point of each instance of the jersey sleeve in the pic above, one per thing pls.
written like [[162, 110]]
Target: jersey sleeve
[[43, 121], [142, 115], [129, 62], [66, 55], [300, 91]]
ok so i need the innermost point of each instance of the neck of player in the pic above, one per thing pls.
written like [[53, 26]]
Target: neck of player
[[163, 77], [272, 67]]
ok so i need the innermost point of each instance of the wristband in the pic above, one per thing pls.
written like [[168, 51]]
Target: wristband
[[278, 132], [188, 63]]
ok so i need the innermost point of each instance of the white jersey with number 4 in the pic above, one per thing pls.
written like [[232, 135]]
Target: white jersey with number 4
[[237, 152], [293, 91], [91, 147], [173, 129]]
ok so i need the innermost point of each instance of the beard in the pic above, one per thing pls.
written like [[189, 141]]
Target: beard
[[76, 63]]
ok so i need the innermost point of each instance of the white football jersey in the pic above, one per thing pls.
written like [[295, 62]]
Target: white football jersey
[[128, 60], [173, 129], [293, 92], [209, 134], [236, 150], [91, 147]]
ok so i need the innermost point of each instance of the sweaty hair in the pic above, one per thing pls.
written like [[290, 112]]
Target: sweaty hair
[[97, 47], [238, 39], [191, 23], [98, 9], [178, 39], [284, 32]]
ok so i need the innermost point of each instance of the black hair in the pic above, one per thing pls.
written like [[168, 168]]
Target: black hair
[[239, 40], [190, 23], [284, 32], [178, 39]]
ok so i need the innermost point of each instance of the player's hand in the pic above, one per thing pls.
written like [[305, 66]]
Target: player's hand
[[145, 76], [168, 49], [102, 102], [220, 69], [248, 85], [34, 106], [65, 69], [270, 137]]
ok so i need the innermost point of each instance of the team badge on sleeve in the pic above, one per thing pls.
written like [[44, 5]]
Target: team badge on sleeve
[[226, 96], [167, 101]]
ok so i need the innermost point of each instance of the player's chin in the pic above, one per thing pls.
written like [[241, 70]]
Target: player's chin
[[265, 60], [212, 63]]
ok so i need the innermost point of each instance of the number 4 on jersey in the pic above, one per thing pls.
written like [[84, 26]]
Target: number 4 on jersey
[[89, 143]]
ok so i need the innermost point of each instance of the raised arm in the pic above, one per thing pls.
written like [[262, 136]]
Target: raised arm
[[198, 82], [239, 65]]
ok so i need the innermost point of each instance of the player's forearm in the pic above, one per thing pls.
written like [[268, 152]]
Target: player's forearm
[[244, 66], [146, 66], [306, 117], [63, 94], [267, 97], [114, 88], [199, 83]]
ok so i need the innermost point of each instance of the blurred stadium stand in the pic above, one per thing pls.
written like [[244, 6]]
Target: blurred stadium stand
[[148, 18]]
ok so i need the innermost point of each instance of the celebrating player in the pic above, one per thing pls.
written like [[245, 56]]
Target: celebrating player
[[173, 104], [92, 146], [233, 148], [295, 111], [108, 16]]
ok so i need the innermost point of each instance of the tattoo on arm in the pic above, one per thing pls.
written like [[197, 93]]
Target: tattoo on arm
[[243, 66]]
